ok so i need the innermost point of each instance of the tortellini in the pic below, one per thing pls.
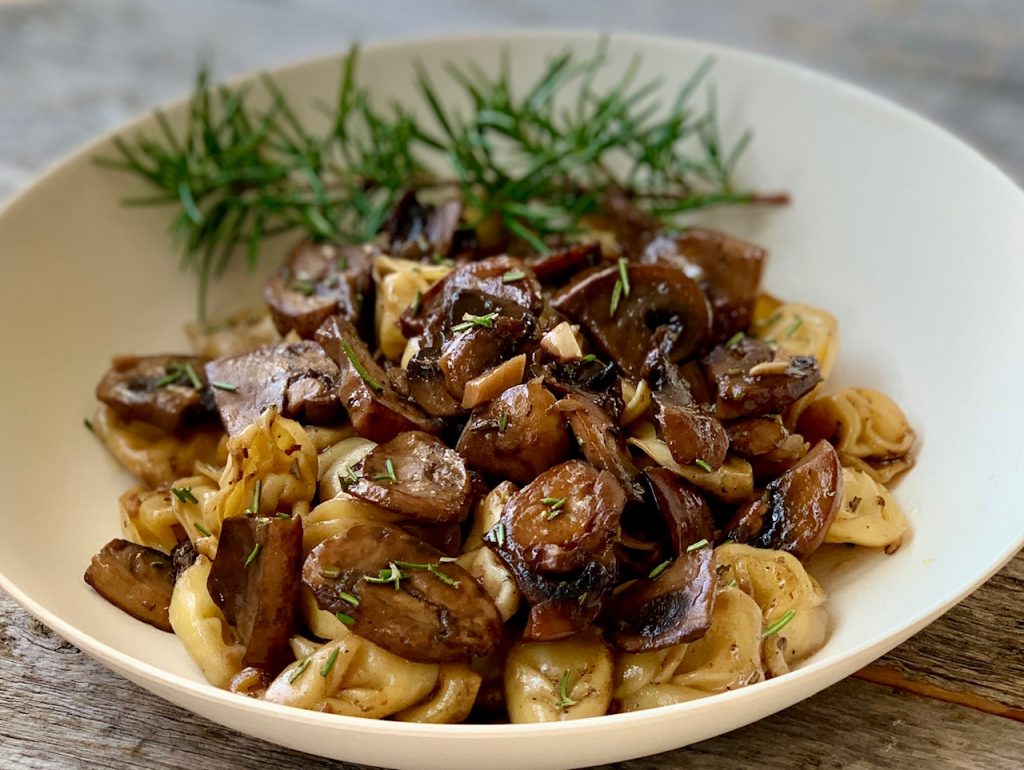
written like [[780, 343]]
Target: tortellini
[[398, 281], [271, 468], [351, 676], [336, 461], [452, 699], [480, 561], [558, 681], [147, 518], [733, 481], [798, 330], [637, 400], [780, 585], [201, 627], [244, 331], [728, 656], [153, 455], [487, 513], [868, 515]]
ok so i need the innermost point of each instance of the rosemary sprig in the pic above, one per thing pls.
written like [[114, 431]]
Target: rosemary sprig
[[533, 160]]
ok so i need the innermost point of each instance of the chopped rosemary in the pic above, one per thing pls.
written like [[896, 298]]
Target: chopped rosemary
[[255, 506], [731, 584], [298, 671], [616, 297], [564, 701], [192, 376], [778, 625], [283, 516], [417, 303], [201, 529], [659, 569], [360, 369], [582, 598], [437, 572], [698, 545], [389, 574], [797, 323], [174, 374], [703, 465], [88, 424], [332, 658], [350, 598], [330, 572], [502, 421], [513, 275], [348, 620], [224, 386], [555, 505], [470, 320], [589, 358], [253, 554], [389, 472], [184, 494], [735, 339], [624, 275], [303, 285], [498, 532], [348, 475]]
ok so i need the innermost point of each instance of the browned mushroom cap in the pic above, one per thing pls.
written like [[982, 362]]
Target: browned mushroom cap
[[558, 618], [564, 264], [504, 278], [135, 579], [419, 231], [673, 608], [427, 385], [683, 509], [157, 389], [376, 410], [727, 268], [755, 436], [416, 475], [797, 508], [588, 377], [748, 381], [397, 592], [183, 556], [316, 281], [299, 379], [663, 309], [692, 435], [601, 442], [516, 436], [254, 579], [562, 519]]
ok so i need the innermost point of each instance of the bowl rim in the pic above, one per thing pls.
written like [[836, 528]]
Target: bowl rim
[[811, 673]]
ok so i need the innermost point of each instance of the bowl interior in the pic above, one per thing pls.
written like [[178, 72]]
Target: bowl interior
[[909, 237]]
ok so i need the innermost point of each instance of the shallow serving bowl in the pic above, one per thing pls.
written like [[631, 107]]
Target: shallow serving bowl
[[912, 239]]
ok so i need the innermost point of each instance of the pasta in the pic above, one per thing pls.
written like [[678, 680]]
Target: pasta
[[147, 518], [862, 422], [798, 330], [869, 515], [398, 282], [244, 331]]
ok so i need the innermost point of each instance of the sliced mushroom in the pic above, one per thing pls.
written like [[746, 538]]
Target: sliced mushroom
[[377, 411], [728, 269], [517, 436], [692, 435], [159, 390], [417, 476], [661, 309], [418, 231], [183, 556], [797, 508], [683, 509], [254, 580], [398, 592], [588, 377], [564, 264], [426, 384], [756, 436], [747, 380], [299, 379], [136, 579], [316, 281], [601, 442], [558, 618], [673, 608]]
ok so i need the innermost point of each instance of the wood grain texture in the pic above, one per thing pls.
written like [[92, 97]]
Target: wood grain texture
[[71, 70]]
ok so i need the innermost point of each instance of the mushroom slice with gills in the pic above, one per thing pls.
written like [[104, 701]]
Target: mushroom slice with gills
[[168, 391], [506, 278], [300, 379], [517, 436], [684, 510], [660, 308], [672, 608], [254, 579], [561, 520], [728, 269], [588, 377], [748, 380], [562, 265], [402, 594], [422, 231], [316, 281], [417, 476], [797, 509], [377, 411], [427, 384], [756, 436], [601, 442], [136, 579]]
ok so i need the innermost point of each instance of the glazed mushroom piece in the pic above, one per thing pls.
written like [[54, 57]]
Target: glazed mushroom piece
[[168, 391], [316, 281], [600, 442], [797, 509], [300, 379], [683, 509], [254, 579], [421, 231], [417, 476], [402, 594], [377, 411], [659, 308], [135, 579], [564, 264]]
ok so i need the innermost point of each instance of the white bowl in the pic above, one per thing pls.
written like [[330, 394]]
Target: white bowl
[[907, 235]]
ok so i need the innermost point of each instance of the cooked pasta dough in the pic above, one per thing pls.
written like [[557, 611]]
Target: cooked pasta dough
[[147, 518], [398, 282], [452, 699], [246, 330], [201, 627], [726, 657], [336, 460], [861, 423], [868, 515], [558, 681], [154, 456], [798, 330]]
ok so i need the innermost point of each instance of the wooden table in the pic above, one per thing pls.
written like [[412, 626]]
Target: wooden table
[[953, 696]]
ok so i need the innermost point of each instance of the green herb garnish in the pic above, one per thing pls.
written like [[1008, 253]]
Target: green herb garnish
[[201, 529], [350, 598], [703, 465], [348, 620], [330, 572], [513, 275], [588, 358], [564, 701], [416, 303], [389, 472], [298, 671], [555, 505], [88, 424], [498, 533], [253, 554], [332, 658], [360, 369], [470, 320], [255, 505], [735, 339], [224, 386], [659, 569], [184, 494], [616, 297], [778, 625], [797, 323], [624, 275], [698, 545], [502, 422]]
